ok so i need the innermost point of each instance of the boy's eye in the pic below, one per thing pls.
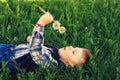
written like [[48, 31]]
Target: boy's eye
[[73, 52]]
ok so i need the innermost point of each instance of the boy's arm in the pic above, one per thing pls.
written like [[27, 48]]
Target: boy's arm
[[37, 36]]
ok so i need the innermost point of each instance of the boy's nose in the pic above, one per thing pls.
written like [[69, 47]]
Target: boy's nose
[[70, 47]]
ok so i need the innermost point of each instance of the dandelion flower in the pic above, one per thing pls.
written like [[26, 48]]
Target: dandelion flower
[[62, 30], [56, 25], [86, 28], [15, 38]]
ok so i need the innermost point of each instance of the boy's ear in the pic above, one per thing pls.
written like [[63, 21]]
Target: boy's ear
[[70, 63]]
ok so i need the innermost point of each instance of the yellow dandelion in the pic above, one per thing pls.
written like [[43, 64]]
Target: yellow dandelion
[[56, 25], [62, 30]]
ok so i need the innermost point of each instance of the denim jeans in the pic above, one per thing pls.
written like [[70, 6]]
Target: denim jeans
[[5, 56]]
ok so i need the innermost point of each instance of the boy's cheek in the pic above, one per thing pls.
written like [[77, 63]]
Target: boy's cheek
[[61, 50]]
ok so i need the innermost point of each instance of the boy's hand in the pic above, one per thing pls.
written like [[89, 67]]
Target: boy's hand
[[45, 19]]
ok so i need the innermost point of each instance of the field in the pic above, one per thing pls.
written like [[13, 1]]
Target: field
[[93, 24]]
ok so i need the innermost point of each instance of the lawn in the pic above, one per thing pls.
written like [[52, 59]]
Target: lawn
[[93, 24]]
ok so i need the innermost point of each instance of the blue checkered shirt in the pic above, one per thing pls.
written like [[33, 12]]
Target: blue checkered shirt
[[40, 53]]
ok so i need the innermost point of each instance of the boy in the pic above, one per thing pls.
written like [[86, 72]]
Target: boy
[[29, 56]]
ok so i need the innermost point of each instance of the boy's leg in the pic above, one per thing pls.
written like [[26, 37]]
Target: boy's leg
[[5, 52]]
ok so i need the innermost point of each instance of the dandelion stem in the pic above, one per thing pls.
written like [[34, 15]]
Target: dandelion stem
[[41, 9], [9, 8]]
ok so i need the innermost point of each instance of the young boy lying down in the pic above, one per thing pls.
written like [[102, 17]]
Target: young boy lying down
[[28, 57]]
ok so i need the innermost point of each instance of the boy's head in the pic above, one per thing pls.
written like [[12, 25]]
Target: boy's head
[[73, 56]]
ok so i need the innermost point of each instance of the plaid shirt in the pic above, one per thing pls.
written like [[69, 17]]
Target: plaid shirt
[[40, 54]]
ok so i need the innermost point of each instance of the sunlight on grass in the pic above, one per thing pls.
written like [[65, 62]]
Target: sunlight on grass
[[4, 1]]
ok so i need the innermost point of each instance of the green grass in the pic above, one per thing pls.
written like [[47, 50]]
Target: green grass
[[93, 24]]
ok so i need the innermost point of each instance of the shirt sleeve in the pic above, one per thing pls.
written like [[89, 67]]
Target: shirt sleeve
[[37, 39]]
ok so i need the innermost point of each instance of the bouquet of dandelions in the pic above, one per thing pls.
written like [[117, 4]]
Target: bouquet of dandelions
[[56, 24]]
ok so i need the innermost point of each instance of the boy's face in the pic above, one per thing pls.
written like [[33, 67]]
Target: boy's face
[[71, 55]]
